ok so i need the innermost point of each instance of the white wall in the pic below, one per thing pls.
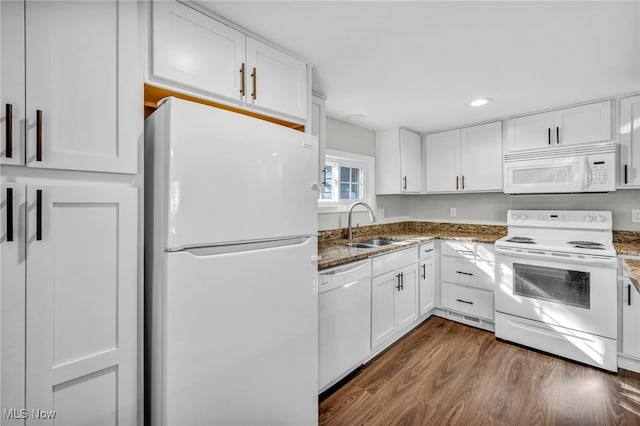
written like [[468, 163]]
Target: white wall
[[492, 208]]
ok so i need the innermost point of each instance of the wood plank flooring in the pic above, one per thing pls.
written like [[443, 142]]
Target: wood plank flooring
[[444, 372]]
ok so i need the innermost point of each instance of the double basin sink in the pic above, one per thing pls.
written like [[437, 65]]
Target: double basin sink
[[375, 243]]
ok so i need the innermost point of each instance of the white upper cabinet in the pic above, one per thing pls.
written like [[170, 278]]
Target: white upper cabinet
[[630, 141], [442, 158], [581, 124], [12, 113], [191, 50], [278, 82], [468, 159], [481, 157], [398, 162], [83, 92], [194, 53]]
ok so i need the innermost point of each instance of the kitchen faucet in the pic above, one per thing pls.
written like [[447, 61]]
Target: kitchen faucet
[[372, 216]]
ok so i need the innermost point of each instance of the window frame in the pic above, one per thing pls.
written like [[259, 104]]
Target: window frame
[[349, 159]]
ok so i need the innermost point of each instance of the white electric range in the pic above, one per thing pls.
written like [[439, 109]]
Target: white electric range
[[556, 288]]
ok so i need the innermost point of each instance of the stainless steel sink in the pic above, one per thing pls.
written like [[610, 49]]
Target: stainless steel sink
[[361, 245], [378, 242]]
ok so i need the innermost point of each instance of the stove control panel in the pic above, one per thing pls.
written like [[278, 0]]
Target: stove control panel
[[571, 219]]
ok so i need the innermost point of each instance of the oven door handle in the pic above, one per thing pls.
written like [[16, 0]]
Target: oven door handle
[[591, 261]]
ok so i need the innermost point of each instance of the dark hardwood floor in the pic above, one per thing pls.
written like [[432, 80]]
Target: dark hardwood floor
[[448, 373]]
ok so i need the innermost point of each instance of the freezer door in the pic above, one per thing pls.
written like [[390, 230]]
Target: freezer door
[[236, 178], [239, 337]]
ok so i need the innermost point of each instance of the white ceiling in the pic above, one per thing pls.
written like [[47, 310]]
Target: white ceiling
[[419, 64]]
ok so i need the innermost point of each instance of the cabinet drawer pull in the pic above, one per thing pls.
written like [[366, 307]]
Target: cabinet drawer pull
[[9, 131], [549, 135], [626, 174], [242, 82], [465, 251], [462, 181], [254, 76], [9, 214], [428, 250], [456, 183], [424, 271], [464, 273], [557, 135], [404, 183], [629, 294], [39, 214], [39, 135], [398, 280], [464, 301]]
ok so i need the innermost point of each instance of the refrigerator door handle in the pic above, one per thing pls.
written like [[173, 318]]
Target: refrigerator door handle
[[239, 247]]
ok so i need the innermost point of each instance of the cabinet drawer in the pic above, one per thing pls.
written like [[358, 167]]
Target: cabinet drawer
[[389, 262], [474, 273], [426, 250], [458, 248], [467, 300]]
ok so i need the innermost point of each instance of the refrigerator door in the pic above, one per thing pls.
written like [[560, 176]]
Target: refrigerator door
[[230, 177], [239, 336]]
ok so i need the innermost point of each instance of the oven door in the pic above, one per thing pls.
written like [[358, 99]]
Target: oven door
[[568, 174], [578, 294]]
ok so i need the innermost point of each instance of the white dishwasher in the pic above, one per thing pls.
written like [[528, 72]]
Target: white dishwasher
[[345, 320]]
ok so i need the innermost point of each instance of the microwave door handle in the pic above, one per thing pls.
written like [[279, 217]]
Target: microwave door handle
[[586, 177]]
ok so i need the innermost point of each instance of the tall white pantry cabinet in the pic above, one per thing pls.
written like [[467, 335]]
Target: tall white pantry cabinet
[[71, 121]]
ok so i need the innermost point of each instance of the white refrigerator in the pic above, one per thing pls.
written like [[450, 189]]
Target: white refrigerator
[[231, 319]]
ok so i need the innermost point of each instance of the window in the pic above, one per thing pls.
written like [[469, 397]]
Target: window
[[349, 178]]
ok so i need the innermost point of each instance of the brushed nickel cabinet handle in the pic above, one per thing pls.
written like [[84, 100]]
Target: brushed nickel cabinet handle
[[462, 181], [549, 135], [254, 76], [242, 82], [9, 214], [424, 271], [456, 183], [38, 135], [39, 214], [404, 182], [401, 280], [9, 131], [398, 280], [464, 301], [557, 135]]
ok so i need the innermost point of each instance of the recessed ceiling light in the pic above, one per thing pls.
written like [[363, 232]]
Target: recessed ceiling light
[[480, 102], [355, 118]]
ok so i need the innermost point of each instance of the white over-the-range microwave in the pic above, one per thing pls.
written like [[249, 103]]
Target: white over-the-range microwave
[[572, 168]]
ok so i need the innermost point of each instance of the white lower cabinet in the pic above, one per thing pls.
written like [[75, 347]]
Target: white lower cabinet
[[426, 279], [68, 324], [467, 278], [394, 295], [630, 318]]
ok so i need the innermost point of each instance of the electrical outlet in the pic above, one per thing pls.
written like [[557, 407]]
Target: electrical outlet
[[380, 213], [452, 212], [635, 215]]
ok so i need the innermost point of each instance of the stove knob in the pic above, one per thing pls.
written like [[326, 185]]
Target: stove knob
[[524, 216], [588, 218], [600, 218], [514, 216]]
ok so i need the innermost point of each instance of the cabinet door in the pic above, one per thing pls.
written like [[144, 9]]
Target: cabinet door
[[82, 74], [410, 162], [583, 124], [81, 332], [442, 161], [277, 81], [630, 319], [481, 157], [12, 247], [382, 307], [427, 286], [407, 297], [193, 51], [12, 82], [531, 131], [630, 141]]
